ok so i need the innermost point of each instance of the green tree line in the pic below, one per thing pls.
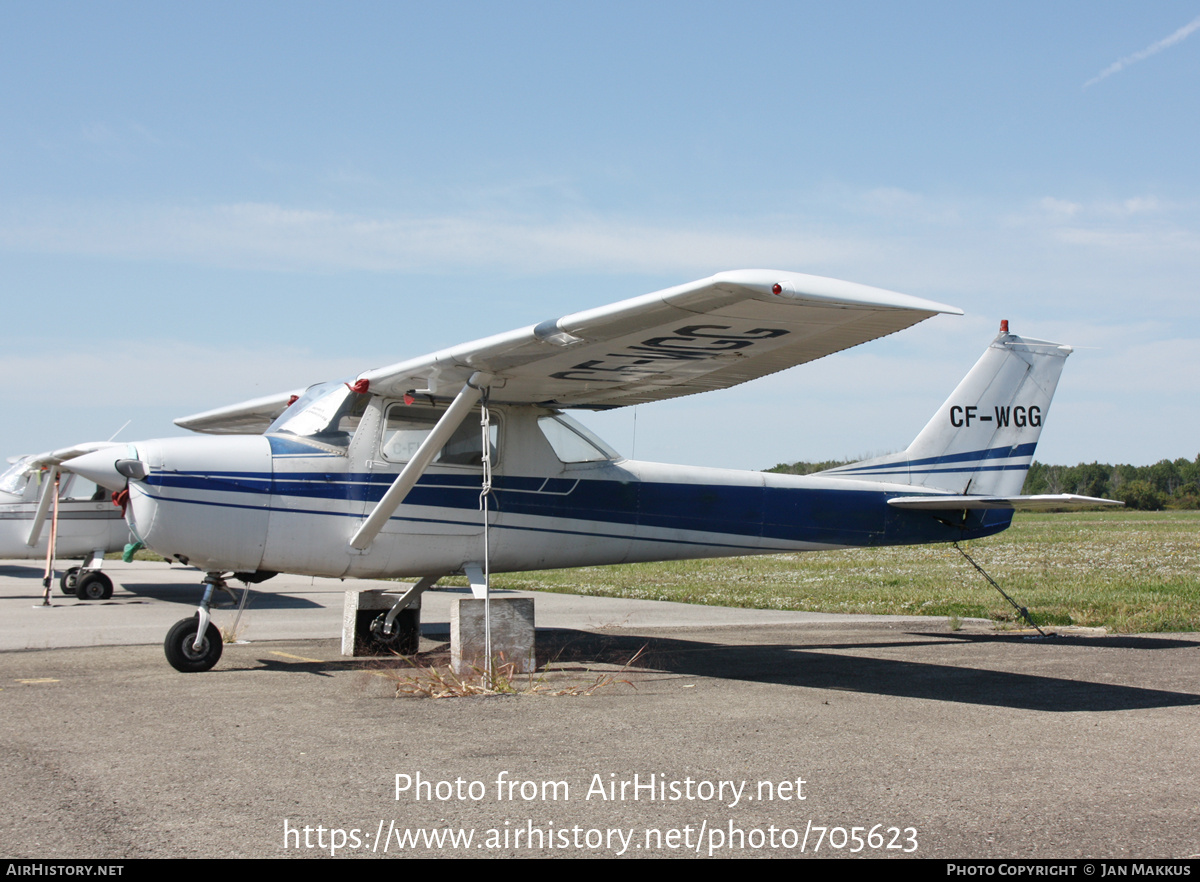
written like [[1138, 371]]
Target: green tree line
[[1166, 484]]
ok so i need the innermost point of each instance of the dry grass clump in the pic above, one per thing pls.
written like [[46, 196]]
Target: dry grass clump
[[437, 680]]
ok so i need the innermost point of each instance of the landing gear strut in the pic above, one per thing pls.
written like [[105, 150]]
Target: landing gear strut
[[397, 631], [194, 644]]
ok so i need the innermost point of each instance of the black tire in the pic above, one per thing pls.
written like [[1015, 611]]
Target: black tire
[[178, 646], [94, 586], [404, 640], [69, 580]]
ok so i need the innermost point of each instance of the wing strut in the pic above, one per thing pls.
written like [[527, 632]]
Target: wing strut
[[411, 473], [39, 516]]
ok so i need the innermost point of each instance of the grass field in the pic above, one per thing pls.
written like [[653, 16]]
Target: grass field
[[1127, 571]]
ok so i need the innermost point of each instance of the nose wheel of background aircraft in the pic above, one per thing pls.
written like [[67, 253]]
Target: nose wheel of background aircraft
[[182, 652], [93, 586]]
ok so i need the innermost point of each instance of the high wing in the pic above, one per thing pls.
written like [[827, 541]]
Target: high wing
[[710, 334], [62, 454], [247, 418]]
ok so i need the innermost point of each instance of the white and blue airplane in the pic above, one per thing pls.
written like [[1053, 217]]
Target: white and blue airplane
[[83, 521], [385, 475]]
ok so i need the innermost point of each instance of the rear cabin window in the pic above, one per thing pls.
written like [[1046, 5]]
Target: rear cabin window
[[572, 442]]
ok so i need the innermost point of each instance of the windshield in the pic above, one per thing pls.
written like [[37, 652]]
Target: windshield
[[14, 480], [327, 413]]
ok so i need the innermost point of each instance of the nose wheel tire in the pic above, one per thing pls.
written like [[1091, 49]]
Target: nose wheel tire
[[93, 586], [179, 646]]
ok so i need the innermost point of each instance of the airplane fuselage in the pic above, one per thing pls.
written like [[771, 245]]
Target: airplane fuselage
[[283, 503]]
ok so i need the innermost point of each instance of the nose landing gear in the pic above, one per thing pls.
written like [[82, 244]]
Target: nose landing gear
[[194, 645]]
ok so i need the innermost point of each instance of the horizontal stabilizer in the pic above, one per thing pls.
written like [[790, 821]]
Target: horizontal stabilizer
[[1041, 502]]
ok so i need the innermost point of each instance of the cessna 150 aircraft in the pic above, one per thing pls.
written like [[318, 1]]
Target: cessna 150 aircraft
[[386, 475], [84, 522]]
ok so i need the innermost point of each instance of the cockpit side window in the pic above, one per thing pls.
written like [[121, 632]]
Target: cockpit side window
[[79, 488], [405, 427]]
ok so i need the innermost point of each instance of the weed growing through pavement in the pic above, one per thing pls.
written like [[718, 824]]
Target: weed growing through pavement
[[229, 634], [236, 630]]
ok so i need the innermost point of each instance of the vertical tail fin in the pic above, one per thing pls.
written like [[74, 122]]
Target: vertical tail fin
[[981, 440]]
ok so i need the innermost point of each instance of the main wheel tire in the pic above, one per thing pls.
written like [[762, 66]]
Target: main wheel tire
[[178, 646], [404, 640], [69, 580], [94, 586]]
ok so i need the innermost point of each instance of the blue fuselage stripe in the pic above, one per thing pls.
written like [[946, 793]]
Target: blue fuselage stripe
[[786, 514]]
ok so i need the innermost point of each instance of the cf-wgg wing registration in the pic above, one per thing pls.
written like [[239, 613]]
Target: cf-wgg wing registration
[[383, 475]]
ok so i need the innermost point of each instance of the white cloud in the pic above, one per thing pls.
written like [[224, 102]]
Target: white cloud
[[1142, 205], [175, 373], [266, 236], [1059, 208], [905, 205]]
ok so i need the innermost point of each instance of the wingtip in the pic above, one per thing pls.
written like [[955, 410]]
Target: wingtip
[[767, 284]]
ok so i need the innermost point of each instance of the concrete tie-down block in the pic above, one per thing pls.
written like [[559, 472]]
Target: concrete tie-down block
[[512, 635]]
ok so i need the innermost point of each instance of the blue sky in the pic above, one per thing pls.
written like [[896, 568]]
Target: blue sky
[[205, 203]]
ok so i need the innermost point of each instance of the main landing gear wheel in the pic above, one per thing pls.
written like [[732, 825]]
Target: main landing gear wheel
[[93, 586], [405, 638], [69, 580], [180, 643]]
